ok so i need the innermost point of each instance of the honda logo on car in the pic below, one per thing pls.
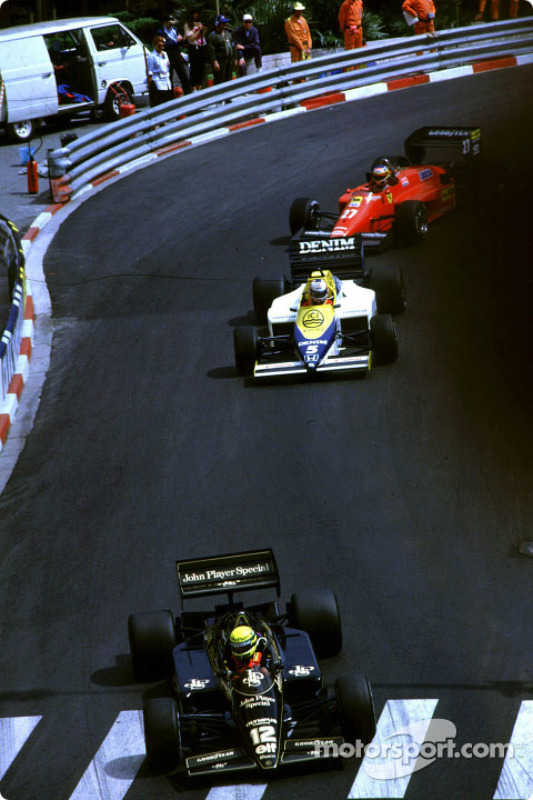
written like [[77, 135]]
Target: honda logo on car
[[225, 574], [327, 245]]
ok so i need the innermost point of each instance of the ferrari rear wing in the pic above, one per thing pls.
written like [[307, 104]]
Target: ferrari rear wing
[[312, 250], [465, 142], [236, 572]]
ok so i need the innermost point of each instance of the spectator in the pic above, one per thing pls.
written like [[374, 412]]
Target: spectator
[[421, 14], [495, 10], [172, 46], [220, 48], [298, 34], [158, 68], [195, 35], [247, 45], [350, 21]]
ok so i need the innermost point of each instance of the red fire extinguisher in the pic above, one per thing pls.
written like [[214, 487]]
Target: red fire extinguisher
[[33, 174]]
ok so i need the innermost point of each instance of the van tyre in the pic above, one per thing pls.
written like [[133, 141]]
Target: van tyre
[[384, 340], [152, 639], [116, 96], [23, 130], [161, 734], [317, 613], [356, 708]]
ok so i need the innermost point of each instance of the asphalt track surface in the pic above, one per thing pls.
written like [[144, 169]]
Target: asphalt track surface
[[407, 491]]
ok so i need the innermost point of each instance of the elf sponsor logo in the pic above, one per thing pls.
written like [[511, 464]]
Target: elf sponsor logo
[[264, 740], [327, 245]]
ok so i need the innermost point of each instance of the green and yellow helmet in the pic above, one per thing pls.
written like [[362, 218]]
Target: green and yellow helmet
[[243, 642]]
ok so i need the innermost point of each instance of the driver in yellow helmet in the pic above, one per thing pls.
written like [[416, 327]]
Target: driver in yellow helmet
[[247, 648]]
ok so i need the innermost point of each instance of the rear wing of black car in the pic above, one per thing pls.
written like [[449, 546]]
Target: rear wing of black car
[[312, 250], [455, 144], [236, 572]]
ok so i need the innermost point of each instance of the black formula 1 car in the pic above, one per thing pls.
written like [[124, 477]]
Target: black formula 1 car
[[273, 712]]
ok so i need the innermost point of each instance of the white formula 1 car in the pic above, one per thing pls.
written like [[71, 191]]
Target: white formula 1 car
[[344, 330]]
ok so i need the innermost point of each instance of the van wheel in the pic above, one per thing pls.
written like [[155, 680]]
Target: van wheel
[[23, 130], [116, 96]]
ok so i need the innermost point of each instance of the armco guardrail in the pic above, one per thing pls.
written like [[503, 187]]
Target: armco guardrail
[[12, 264], [280, 90]]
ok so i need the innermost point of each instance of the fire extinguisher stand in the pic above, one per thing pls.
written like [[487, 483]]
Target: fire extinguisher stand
[[32, 168]]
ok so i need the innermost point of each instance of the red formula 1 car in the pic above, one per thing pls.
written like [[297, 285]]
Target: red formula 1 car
[[402, 195]]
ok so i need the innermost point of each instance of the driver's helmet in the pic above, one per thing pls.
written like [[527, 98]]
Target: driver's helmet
[[380, 175], [318, 291], [243, 642]]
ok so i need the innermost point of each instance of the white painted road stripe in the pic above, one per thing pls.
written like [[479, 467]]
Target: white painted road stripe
[[246, 791], [516, 779], [384, 777], [14, 732], [114, 767]]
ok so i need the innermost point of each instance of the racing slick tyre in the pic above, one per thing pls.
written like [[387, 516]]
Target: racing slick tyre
[[317, 613], [410, 222], [264, 292], [245, 345], [356, 708], [152, 640], [384, 340], [387, 282], [301, 213], [161, 734]]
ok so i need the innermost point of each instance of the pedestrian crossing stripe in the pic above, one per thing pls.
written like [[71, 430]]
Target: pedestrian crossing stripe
[[14, 732], [516, 777], [383, 777], [121, 754]]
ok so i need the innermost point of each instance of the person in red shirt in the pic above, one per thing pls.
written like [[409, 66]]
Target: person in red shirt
[[423, 11], [350, 22]]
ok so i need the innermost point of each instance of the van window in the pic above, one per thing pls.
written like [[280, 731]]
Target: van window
[[111, 37]]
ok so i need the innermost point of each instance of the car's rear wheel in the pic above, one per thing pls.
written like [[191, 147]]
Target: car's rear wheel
[[161, 734], [264, 292], [317, 613], [152, 640], [356, 708], [387, 282], [301, 213], [245, 346], [410, 222], [384, 340]]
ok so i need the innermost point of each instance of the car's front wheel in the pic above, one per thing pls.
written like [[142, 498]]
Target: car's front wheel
[[245, 346], [387, 282], [264, 292], [356, 708], [161, 734], [317, 613], [384, 340], [152, 640]]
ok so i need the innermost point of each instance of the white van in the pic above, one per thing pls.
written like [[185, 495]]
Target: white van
[[65, 66]]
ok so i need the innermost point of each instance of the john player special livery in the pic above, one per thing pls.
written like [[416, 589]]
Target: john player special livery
[[402, 194], [331, 315], [247, 689]]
